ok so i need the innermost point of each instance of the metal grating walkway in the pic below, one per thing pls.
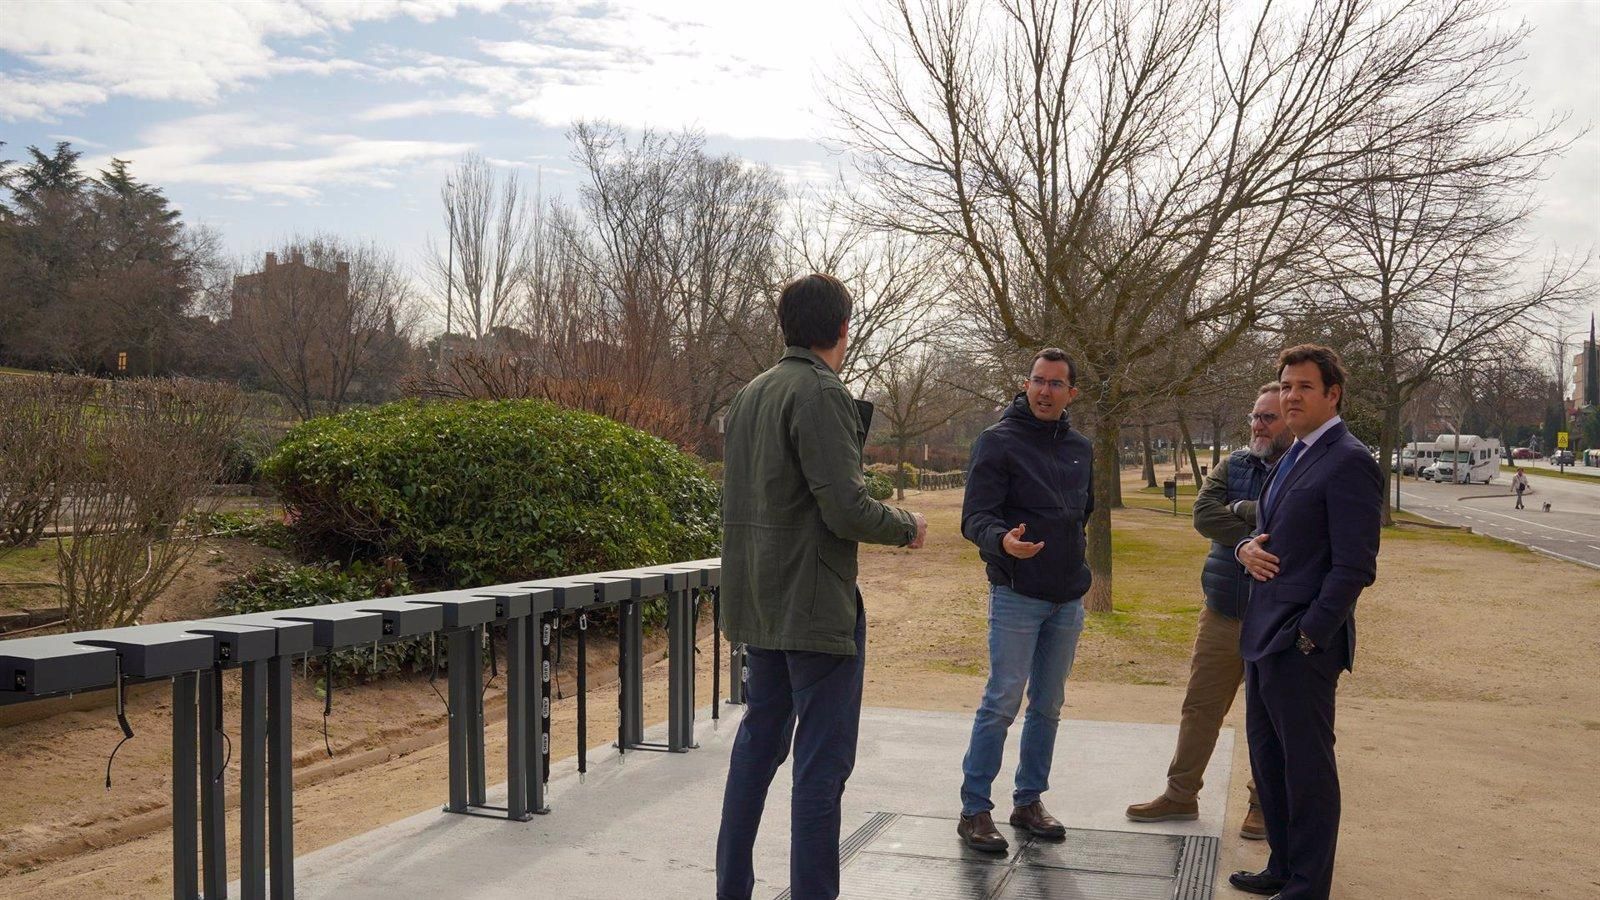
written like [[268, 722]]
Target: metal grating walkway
[[895, 856]]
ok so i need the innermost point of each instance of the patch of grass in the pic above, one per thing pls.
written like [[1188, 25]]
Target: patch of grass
[[29, 563]]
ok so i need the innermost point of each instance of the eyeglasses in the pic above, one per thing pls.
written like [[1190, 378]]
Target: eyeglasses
[[1055, 384], [1263, 418]]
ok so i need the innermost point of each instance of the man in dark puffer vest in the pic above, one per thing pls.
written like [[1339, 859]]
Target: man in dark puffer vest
[[1225, 512]]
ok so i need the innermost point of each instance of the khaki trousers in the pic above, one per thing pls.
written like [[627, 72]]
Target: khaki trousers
[[1215, 674]]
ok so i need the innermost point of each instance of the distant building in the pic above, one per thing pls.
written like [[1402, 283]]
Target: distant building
[[294, 283]]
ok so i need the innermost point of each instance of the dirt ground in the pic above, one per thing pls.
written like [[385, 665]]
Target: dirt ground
[[1468, 730]]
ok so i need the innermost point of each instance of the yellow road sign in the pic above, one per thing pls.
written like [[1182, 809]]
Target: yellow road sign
[[1561, 440]]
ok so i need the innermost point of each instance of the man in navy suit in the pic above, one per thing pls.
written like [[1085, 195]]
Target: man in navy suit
[[1315, 548]]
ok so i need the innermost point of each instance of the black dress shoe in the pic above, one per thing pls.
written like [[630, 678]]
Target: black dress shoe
[[1258, 882]]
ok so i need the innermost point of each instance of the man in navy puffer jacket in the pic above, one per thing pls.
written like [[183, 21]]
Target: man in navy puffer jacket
[[1029, 494]]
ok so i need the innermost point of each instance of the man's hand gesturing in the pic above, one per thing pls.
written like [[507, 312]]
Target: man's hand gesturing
[[1014, 545]]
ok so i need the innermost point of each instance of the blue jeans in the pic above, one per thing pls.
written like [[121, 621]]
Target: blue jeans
[[814, 701], [1031, 646]]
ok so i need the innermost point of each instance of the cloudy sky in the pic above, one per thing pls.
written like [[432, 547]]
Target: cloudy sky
[[274, 116]]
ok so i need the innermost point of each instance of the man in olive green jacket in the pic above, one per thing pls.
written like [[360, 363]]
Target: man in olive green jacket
[[794, 507]]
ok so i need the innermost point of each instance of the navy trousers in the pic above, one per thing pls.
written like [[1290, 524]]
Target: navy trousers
[[1289, 711], [812, 701]]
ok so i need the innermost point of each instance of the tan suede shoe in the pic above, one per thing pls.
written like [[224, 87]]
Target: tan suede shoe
[[1161, 809], [1254, 827]]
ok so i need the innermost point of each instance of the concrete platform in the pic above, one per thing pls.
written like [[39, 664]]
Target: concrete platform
[[645, 824]]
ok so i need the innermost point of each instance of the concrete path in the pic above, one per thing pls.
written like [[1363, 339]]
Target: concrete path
[[644, 825]]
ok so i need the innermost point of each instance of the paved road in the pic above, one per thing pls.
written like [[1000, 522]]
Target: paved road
[[1571, 528]]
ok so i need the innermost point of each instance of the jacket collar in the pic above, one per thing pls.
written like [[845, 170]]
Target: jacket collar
[[1022, 414], [794, 352], [1308, 458]]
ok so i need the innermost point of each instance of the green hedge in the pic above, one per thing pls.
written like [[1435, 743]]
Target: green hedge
[[879, 487], [485, 492], [274, 586]]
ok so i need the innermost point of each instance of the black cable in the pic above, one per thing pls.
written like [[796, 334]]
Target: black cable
[[226, 759], [327, 699], [494, 667], [122, 720], [555, 667]]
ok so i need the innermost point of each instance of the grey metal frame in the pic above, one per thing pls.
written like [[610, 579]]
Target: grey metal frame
[[263, 646]]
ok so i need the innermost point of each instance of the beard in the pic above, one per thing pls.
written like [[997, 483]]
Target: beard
[[1268, 449]]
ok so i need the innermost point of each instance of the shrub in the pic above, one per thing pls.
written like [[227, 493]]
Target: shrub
[[483, 492], [880, 487], [274, 586]]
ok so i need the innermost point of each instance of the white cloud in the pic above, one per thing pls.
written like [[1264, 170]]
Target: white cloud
[[22, 98], [249, 158], [462, 104], [85, 53]]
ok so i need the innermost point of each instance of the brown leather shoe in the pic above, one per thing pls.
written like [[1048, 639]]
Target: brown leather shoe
[[1163, 809], [980, 834], [1254, 827], [1034, 820]]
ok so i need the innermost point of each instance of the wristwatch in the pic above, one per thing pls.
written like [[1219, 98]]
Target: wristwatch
[[1305, 644]]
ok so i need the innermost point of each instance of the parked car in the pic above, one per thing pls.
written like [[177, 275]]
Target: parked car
[[1523, 453], [1561, 458]]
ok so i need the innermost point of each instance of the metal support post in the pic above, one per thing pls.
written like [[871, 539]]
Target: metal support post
[[716, 653], [583, 694], [185, 859], [536, 733], [280, 777], [458, 647], [680, 671], [630, 673], [516, 721], [546, 682], [253, 782], [213, 802], [477, 787]]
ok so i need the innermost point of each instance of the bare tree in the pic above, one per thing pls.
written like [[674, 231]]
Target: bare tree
[[916, 398], [487, 257], [41, 418], [899, 286], [316, 320], [1126, 179], [139, 471], [1427, 272]]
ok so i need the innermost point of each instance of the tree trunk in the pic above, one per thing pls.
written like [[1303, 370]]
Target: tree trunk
[[1389, 453], [1149, 458], [900, 470], [1099, 534], [1188, 447], [1216, 440]]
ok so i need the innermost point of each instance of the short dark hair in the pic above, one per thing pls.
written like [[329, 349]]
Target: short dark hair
[[811, 310], [1056, 354], [1271, 387], [1328, 363]]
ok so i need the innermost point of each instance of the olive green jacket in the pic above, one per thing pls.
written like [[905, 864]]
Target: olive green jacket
[[794, 507]]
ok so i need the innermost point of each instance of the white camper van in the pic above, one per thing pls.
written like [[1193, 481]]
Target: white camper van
[[1465, 459], [1416, 456]]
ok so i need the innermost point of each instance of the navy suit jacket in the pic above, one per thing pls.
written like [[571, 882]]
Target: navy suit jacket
[[1323, 526]]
